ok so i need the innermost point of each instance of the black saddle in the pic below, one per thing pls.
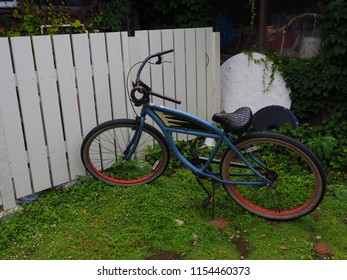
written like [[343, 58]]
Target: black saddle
[[236, 122]]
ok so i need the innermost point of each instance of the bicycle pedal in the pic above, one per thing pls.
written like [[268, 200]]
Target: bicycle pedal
[[207, 201]]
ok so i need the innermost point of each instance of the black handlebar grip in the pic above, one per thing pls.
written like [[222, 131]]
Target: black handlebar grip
[[165, 97]]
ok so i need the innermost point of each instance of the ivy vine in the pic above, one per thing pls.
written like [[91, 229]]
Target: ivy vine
[[269, 67], [251, 3]]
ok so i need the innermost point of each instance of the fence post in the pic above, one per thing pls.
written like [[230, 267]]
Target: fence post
[[6, 187]]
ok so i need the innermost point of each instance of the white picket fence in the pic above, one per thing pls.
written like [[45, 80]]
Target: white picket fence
[[54, 89]]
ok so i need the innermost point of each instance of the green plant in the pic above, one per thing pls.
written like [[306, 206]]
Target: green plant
[[251, 3], [339, 192], [28, 20], [112, 18], [269, 66], [330, 148], [316, 91], [322, 146], [334, 39]]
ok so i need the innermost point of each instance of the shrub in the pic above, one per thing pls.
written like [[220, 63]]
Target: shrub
[[112, 18], [28, 20]]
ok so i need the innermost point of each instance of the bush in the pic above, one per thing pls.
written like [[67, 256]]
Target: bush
[[28, 20], [112, 18]]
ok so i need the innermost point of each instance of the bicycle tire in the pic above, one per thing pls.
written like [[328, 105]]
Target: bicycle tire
[[102, 153], [298, 177]]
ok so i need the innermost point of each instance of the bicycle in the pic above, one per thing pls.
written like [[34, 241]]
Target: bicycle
[[268, 174]]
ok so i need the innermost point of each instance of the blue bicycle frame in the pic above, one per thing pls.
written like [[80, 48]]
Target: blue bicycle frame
[[174, 121]]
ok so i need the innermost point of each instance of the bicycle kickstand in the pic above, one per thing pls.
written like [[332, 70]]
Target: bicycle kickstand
[[210, 196]]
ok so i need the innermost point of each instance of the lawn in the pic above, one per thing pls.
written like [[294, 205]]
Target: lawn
[[165, 220]]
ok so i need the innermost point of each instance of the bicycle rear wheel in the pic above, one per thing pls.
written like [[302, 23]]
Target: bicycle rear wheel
[[297, 175], [104, 149]]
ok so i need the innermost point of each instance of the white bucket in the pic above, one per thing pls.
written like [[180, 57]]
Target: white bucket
[[210, 142]]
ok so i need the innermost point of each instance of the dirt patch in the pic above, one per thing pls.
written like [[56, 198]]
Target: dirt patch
[[317, 215], [242, 245], [165, 255], [220, 223]]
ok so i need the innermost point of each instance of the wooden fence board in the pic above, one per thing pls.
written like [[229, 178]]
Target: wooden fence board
[[31, 112], [51, 109], [180, 68], [117, 76], [190, 45], [209, 75], [134, 57], [168, 67], [7, 196], [180, 72], [69, 102], [10, 113], [100, 73], [84, 80], [155, 46], [126, 68], [215, 73], [201, 73], [142, 52]]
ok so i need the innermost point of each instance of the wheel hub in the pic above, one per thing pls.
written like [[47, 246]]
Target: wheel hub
[[271, 175]]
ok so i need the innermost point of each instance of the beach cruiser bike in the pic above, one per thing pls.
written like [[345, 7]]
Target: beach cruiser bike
[[270, 175]]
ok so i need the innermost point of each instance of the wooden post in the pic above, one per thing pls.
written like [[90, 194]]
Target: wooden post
[[7, 196], [262, 24]]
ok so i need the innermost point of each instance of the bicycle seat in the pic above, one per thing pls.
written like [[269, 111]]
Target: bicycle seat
[[236, 122]]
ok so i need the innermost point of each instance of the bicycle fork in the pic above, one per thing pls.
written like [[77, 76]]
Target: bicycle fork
[[130, 149]]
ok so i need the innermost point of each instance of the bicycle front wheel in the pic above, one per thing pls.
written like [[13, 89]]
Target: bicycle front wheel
[[298, 180], [104, 151]]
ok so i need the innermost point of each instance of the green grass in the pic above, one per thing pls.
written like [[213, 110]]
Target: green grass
[[92, 220]]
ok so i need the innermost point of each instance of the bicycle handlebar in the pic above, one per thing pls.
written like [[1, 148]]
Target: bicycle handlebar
[[144, 89]]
